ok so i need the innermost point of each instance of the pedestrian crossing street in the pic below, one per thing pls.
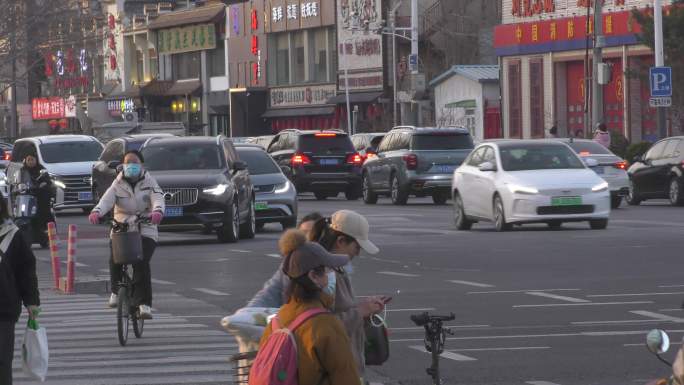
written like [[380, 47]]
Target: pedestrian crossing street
[[84, 349]]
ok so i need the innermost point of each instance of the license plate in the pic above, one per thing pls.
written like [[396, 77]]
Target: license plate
[[442, 169], [328, 162], [85, 196], [259, 206], [173, 212], [566, 201]]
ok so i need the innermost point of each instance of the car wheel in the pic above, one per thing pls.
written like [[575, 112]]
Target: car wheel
[[500, 215], [440, 198], [598, 224], [460, 219], [615, 202], [675, 192], [369, 196], [289, 223], [228, 232], [248, 229], [321, 196], [555, 225], [633, 198], [398, 194]]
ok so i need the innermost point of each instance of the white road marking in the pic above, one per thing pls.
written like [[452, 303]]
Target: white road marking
[[470, 283], [222, 260], [634, 321], [657, 316], [517, 291], [210, 291], [558, 297], [501, 349], [633, 294], [398, 274], [642, 344], [585, 304], [419, 309], [666, 286], [274, 256], [672, 310], [541, 383], [554, 335], [162, 282], [104, 270], [240, 251], [446, 354]]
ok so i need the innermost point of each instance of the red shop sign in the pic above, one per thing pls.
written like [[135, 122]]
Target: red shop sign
[[47, 108]]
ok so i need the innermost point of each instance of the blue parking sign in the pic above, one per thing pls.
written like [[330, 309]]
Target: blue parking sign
[[661, 81]]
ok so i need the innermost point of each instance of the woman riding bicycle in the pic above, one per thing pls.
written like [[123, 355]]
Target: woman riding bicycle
[[134, 193]]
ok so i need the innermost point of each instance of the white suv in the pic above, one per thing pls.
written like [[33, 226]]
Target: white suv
[[69, 160]]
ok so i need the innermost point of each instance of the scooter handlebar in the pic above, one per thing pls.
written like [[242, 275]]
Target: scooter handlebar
[[425, 318]]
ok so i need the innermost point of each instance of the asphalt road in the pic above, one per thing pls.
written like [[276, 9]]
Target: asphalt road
[[533, 306]]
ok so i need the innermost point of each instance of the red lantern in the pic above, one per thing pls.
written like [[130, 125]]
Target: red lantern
[[255, 20], [112, 63]]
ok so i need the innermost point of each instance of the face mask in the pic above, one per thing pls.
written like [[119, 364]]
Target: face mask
[[132, 170], [332, 282], [349, 268]]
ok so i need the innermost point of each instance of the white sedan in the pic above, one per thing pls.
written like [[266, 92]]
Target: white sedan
[[528, 181]]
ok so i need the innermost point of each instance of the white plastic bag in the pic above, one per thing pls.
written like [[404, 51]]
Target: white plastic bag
[[34, 351]]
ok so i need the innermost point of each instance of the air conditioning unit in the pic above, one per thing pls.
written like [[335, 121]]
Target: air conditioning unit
[[130, 117], [164, 7]]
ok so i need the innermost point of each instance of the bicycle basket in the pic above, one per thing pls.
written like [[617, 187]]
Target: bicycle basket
[[126, 248]]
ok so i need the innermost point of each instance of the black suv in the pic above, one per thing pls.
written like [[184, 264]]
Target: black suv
[[659, 173], [103, 175], [205, 184], [322, 162]]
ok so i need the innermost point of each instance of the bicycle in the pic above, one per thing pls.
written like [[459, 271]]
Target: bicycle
[[435, 338], [127, 250]]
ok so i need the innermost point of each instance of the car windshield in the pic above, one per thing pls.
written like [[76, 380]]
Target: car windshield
[[258, 162], [135, 145], [589, 148], [322, 143], [69, 152], [538, 157], [439, 141], [182, 156]]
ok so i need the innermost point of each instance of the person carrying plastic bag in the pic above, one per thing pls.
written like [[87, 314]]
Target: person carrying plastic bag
[[34, 351]]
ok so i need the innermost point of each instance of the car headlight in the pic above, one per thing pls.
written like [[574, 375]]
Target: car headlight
[[282, 188], [603, 186], [59, 184], [216, 190], [515, 189]]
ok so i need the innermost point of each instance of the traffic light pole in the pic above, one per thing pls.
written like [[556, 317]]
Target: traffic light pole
[[661, 123], [597, 89]]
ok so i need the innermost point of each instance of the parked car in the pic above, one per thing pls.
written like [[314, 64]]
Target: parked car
[[205, 184], [276, 196], [5, 154], [69, 160], [415, 161], [611, 167], [102, 174], [659, 173], [322, 162], [528, 181], [367, 144], [261, 141]]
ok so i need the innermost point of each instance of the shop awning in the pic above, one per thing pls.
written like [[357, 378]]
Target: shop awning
[[157, 87], [118, 93], [184, 87], [295, 112], [470, 103], [198, 15], [355, 97]]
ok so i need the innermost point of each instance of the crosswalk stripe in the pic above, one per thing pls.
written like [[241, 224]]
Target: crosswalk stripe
[[167, 348], [156, 339], [134, 362], [213, 379], [446, 354], [137, 370]]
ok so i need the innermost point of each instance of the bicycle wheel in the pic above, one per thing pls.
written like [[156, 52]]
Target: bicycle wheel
[[122, 310], [138, 324]]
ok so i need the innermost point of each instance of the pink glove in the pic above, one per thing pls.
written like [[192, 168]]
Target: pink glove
[[156, 217], [94, 218]]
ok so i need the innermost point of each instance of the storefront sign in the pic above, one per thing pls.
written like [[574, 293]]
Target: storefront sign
[[301, 96], [277, 14], [360, 52], [187, 39], [70, 107], [515, 11], [110, 48], [363, 81], [47, 108], [307, 9], [121, 106]]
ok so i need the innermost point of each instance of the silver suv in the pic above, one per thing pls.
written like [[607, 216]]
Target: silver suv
[[415, 161]]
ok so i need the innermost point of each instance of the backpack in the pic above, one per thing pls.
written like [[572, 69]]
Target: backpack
[[276, 362]]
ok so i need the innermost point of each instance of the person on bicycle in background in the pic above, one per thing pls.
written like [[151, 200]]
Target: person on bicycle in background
[[134, 192]]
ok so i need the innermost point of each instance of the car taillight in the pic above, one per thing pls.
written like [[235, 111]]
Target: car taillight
[[411, 161], [355, 159], [620, 165], [370, 155], [7, 156], [325, 135], [300, 160]]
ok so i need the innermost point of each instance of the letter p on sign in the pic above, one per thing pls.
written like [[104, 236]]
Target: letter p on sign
[[661, 81]]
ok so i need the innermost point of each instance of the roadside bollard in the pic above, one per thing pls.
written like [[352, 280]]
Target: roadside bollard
[[54, 253], [71, 259]]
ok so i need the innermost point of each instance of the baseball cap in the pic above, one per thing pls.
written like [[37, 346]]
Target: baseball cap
[[310, 256], [356, 226]]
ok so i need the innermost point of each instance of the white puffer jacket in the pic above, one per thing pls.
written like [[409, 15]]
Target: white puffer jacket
[[127, 202]]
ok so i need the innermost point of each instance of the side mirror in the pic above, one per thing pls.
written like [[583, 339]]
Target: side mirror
[[487, 167], [286, 170], [591, 162], [113, 164], [657, 341], [239, 166]]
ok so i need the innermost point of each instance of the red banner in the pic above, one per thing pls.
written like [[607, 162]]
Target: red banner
[[48, 108]]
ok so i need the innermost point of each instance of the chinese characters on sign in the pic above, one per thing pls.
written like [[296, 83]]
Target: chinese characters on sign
[[112, 33], [277, 14], [187, 39], [66, 72], [118, 107], [360, 53], [47, 108], [292, 11], [528, 8], [309, 10], [299, 96]]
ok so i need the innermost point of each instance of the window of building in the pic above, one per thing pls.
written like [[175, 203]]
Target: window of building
[[282, 59], [186, 65], [318, 56], [514, 100], [537, 97], [139, 66], [298, 57], [217, 59]]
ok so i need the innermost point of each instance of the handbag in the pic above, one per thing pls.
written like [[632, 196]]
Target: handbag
[[377, 341], [35, 354]]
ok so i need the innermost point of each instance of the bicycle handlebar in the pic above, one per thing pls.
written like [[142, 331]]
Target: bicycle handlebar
[[425, 318]]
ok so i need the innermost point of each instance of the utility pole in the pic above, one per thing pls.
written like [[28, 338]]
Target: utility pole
[[661, 124], [393, 25], [414, 35], [13, 129], [599, 42]]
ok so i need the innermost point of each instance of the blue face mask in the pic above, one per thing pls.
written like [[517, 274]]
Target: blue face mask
[[332, 282], [349, 268], [132, 170]]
